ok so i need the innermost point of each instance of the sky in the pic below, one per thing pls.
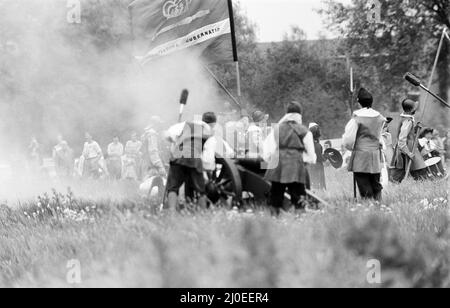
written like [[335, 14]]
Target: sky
[[275, 17]]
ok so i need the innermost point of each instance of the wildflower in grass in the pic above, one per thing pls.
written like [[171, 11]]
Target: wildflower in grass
[[425, 202]]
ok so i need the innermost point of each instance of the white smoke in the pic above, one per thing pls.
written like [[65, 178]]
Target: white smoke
[[61, 78]]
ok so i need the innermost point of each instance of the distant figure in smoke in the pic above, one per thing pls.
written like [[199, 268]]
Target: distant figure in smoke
[[132, 160], [35, 156], [153, 165], [115, 153], [91, 158], [63, 158], [317, 170]]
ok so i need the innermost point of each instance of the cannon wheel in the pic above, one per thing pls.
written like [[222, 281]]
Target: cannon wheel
[[225, 182]]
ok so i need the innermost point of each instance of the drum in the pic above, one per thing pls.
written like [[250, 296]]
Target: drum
[[432, 161], [435, 168]]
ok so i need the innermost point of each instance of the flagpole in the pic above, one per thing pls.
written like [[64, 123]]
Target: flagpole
[[433, 72], [235, 52], [235, 101]]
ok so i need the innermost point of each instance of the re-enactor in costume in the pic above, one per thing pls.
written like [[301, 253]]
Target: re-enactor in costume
[[91, 158], [287, 150], [406, 150], [132, 160], [186, 166], [363, 136], [115, 153], [153, 164], [317, 170], [63, 158]]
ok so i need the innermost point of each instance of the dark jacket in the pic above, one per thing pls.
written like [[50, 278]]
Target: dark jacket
[[189, 147], [405, 144], [291, 168]]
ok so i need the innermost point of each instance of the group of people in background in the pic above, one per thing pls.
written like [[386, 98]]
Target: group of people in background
[[375, 159], [369, 151], [137, 159]]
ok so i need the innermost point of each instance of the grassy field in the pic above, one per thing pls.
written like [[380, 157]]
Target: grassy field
[[118, 242]]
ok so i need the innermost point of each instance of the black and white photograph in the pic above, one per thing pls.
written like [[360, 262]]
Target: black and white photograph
[[221, 150]]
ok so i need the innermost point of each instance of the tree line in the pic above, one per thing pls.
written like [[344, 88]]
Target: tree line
[[50, 69]]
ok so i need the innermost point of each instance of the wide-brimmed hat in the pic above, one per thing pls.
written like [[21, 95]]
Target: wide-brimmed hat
[[258, 116]]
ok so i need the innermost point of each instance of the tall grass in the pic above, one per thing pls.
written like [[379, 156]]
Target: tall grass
[[121, 243]]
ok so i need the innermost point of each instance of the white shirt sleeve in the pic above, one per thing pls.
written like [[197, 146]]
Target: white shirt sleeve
[[351, 132], [309, 157], [174, 132], [269, 147], [209, 154]]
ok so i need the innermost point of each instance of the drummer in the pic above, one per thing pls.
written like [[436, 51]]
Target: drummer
[[431, 154], [426, 143]]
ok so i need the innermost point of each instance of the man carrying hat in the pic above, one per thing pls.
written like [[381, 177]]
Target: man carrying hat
[[363, 138], [404, 150]]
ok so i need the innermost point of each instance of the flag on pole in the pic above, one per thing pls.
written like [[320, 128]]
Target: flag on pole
[[164, 27]]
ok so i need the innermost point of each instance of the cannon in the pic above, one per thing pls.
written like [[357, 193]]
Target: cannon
[[234, 178]]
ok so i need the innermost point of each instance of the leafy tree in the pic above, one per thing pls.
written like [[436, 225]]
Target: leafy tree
[[405, 39]]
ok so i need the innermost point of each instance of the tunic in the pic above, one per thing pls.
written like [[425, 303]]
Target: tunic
[[317, 171], [405, 144], [367, 125], [291, 168]]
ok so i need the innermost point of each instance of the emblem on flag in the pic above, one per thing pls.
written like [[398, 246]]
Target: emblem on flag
[[202, 26], [175, 8]]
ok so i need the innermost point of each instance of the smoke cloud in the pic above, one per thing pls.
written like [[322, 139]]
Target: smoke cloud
[[58, 76]]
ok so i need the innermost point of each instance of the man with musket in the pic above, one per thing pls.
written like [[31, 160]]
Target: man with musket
[[407, 150], [363, 136]]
